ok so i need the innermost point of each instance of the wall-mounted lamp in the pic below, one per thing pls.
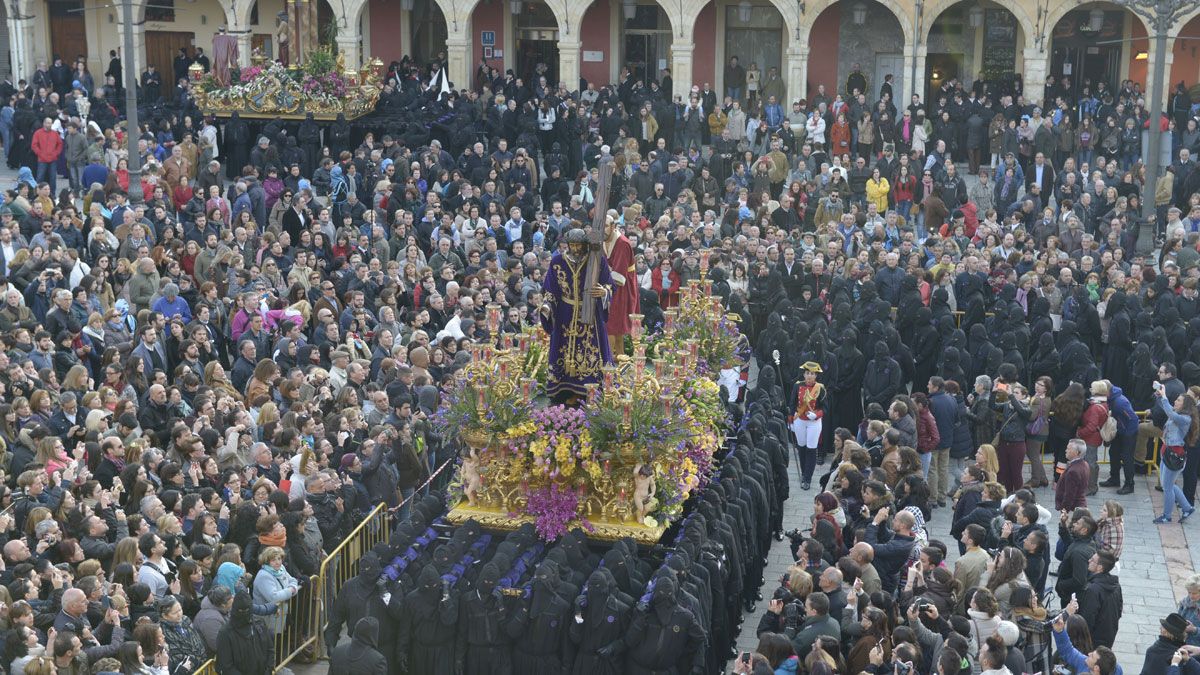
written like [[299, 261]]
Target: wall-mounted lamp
[[975, 16], [860, 14], [1142, 55], [1095, 19], [406, 5], [629, 7], [744, 11]]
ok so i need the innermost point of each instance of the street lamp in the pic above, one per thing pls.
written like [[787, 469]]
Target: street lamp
[[744, 11], [975, 16], [132, 126], [1161, 15], [859, 14]]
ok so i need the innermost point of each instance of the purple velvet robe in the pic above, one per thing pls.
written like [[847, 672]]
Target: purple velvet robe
[[577, 350]]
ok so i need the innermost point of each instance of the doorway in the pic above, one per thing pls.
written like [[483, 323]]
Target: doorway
[[537, 44], [888, 64], [1091, 64], [161, 48], [1087, 49], [940, 68], [645, 55], [68, 35], [428, 31], [538, 48], [645, 41]]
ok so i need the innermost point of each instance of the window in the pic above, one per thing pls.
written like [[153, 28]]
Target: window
[[160, 10]]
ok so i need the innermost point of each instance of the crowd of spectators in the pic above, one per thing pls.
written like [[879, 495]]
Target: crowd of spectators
[[203, 392]]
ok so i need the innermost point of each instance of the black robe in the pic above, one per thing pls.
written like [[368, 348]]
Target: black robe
[[427, 627], [598, 628]]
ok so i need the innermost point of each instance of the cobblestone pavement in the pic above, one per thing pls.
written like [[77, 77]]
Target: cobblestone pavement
[[1151, 589]]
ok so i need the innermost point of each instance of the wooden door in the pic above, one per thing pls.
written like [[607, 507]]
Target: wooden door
[[68, 37], [161, 48]]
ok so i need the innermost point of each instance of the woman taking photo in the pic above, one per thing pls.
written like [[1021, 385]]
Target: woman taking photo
[[1183, 428]]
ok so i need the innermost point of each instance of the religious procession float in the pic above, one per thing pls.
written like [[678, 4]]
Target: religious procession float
[[321, 86], [618, 461]]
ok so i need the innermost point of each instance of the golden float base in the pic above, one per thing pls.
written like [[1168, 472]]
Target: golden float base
[[602, 530]]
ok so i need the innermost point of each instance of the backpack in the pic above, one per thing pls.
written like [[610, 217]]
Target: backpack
[[1108, 430]]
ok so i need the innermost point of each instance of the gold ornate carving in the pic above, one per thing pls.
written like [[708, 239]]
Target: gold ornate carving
[[604, 530], [277, 93]]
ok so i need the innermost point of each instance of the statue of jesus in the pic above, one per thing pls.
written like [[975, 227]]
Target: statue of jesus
[[578, 349]]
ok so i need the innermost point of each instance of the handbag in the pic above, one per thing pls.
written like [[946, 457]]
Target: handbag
[[1174, 457], [996, 438], [1108, 430], [1038, 426]]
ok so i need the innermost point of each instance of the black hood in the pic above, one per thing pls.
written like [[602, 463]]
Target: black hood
[[242, 612], [881, 350], [366, 633]]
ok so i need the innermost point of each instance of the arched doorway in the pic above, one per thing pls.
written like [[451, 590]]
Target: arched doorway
[[428, 31], [973, 41], [754, 33], [1091, 47], [646, 40], [537, 41], [859, 38]]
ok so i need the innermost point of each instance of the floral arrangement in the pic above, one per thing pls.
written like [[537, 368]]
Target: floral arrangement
[[330, 85], [561, 442], [555, 507], [700, 317], [564, 467], [249, 74]]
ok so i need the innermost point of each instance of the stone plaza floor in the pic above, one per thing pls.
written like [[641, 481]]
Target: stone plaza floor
[[1155, 562]]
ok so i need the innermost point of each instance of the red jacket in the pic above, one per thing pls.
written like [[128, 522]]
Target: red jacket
[[928, 436], [1071, 491], [1093, 418], [47, 145]]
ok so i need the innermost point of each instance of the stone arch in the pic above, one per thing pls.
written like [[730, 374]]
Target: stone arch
[[1058, 11], [458, 16], [898, 10], [237, 15], [1028, 26], [1177, 29]]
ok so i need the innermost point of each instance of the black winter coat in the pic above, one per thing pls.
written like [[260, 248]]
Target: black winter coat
[[1101, 605]]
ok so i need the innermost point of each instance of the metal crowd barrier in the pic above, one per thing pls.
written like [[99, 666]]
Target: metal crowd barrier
[[341, 565], [297, 624], [300, 622]]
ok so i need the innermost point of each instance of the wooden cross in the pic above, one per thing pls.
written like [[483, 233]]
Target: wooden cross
[[596, 236]]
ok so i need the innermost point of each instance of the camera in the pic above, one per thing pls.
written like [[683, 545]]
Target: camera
[[903, 668], [795, 536]]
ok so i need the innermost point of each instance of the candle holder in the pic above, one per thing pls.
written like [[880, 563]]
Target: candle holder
[[635, 330], [493, 317], [592, 392], [609, 372], [527, 386]]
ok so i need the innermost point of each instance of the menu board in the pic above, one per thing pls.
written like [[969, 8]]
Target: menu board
[[999, 44]]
